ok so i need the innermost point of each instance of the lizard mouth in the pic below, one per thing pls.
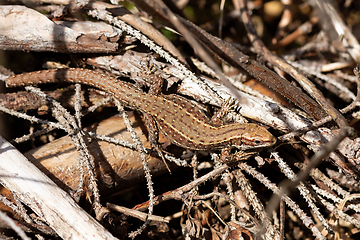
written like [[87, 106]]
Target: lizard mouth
[[256, 144]]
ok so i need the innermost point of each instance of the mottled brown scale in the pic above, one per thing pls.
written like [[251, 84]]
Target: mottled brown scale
[[183, 102], [182, 123]]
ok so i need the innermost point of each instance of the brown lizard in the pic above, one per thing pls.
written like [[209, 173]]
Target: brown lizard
[[181, 123]]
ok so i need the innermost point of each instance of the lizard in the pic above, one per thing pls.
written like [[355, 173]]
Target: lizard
[[180, 122]]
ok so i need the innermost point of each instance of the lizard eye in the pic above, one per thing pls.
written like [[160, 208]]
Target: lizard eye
[[257, 142]]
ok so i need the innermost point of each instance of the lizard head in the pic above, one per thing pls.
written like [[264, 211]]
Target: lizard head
[[255, 136]]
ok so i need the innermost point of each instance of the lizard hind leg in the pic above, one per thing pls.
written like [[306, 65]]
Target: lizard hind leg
[[153, 137]]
